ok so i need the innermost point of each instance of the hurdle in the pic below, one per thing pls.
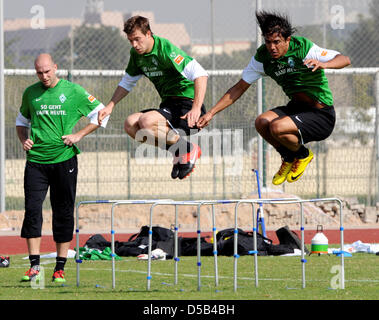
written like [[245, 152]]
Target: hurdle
[[254, 252], [113, 202], [154, 203], [303, 260], [260, 213], [198, 204], [114, 205], [79, 204]]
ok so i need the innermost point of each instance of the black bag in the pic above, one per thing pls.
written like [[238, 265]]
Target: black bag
[[159, 234], [279, 249], [188, 247], [132, 248], [290, 238], [138, 243], [97, 241], [225, 242], [125, 249]]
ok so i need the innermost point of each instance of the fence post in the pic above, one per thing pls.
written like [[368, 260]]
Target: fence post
[[376, 141], [2, 114]]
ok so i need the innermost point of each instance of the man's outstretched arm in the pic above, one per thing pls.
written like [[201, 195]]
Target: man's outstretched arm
[[231, 96]]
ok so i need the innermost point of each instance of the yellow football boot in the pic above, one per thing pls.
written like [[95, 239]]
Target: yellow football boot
[[281, 175], [298, 167]]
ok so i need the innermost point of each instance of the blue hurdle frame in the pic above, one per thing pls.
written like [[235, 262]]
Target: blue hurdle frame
[[199, 203]]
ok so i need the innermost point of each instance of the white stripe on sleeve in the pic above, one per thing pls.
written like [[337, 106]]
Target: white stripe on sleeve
[[194, 70], [253, 71], [128, 82], [320, 54], [21, 121], [93, 116]]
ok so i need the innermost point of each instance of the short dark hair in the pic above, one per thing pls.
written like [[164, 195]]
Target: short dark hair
[[273, 22], [135, 22]]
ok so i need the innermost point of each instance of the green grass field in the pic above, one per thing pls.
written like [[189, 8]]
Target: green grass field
[[279, 279]]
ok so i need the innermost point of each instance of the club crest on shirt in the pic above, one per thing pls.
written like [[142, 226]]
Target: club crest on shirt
[[291, 62], [62, 98]]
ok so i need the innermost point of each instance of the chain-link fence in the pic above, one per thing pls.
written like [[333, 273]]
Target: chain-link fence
[[93, 52], [112, 166], [221, 34]]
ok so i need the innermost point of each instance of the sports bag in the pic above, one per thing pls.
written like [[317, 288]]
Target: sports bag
[[225, 242], [290, 238]]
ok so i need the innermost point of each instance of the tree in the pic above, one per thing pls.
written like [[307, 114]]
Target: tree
[[100, 48]]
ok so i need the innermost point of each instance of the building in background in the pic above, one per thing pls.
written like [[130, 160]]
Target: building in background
[[24, 42]]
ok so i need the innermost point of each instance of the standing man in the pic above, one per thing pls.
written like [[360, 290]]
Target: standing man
[[296, 64], [181, 83], [51, 108]]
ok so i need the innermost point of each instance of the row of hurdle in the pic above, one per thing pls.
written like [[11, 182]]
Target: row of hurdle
[[198, 204]]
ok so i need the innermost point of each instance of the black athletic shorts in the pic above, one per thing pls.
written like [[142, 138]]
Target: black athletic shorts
[[174, 108], [314, 124], [62, 179]]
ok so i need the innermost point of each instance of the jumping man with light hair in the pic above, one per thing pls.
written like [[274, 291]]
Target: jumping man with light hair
[[181, 83], [296, 64]]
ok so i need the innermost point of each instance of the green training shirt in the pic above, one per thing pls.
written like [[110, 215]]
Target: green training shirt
[[292, 75], [53, 113], [163, 66]]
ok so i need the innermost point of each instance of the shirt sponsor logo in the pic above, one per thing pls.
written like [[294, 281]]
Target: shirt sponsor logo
[[324, 53], [53, 110], [154, 74], [179, 59], [91, 98], [284, 71], [285, 68]]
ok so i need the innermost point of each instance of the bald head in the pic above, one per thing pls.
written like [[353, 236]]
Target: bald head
[[44, 59], [46, 69]]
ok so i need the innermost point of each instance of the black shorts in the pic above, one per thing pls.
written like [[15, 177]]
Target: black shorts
[[313, 124], [62, 179], [174, 108]]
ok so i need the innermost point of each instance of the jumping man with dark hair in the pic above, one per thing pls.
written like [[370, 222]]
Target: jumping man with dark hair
[[296, 64], [181, 83]]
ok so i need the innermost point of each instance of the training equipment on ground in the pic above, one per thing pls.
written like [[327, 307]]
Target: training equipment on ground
[[260, 213], [198, 204], [319, 243]]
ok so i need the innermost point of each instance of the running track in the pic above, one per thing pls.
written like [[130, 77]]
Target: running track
[[10, 245]]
